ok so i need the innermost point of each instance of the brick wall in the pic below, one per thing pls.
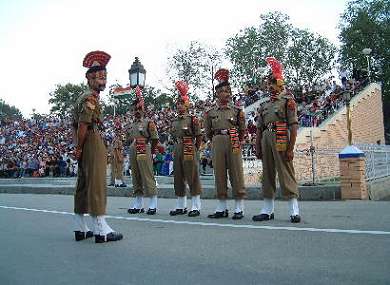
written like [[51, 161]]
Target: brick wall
[[331, 136]]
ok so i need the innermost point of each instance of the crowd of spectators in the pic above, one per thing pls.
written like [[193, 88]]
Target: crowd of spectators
[[42, 145]]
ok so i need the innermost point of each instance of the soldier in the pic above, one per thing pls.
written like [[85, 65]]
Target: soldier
[[117, 159], [225, 127], [277, 126], [90, 196], [187, 135], [141, 132]]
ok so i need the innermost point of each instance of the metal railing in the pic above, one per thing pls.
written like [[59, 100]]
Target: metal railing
[[377, 158]]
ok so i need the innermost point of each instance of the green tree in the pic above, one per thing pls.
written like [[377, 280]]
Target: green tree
[[366, 24], [310, 57], [8, 111], [248, 48], [63, 98], [193, 64]]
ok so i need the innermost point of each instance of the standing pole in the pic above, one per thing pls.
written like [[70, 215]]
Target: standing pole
[[349, 125], [212, 80], [312, 150]]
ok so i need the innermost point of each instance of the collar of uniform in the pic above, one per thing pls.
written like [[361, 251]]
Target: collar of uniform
[[93, 93], [224, 107]]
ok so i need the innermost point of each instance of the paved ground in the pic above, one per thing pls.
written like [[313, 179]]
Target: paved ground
[[338, 243]]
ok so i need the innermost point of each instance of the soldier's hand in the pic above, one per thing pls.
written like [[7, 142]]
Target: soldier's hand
[[259, 153], [289, 155]]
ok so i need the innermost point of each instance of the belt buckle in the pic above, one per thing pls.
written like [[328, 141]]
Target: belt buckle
[[270, 127], [224, 132]]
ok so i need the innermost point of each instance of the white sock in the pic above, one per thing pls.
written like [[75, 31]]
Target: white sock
[[118, 181], [80, 224], [195, 203], [293, 207], [268, 207], [238, 206], [153, 202], [181, 202], [100, 226], [138, 202], [222, 206]]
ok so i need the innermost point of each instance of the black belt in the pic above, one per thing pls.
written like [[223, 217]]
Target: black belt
[[270, 127], [224, 132], [180, 140]]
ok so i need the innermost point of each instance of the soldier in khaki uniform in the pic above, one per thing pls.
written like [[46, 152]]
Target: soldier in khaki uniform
[[187, 135], [90, 196], [143, 139], [117, 159], [225, 127], [277, 127]]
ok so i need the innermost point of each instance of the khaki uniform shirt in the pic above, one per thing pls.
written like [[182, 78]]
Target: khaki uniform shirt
[[219, 118], [282, 109], [186, 126], [87, 110], [144, 128]]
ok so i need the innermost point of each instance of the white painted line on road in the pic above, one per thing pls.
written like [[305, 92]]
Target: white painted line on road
[[137, 219]]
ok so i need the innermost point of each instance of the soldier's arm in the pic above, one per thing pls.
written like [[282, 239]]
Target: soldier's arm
[[153, 135], [292, 121], [207, 125], [259, 135], [85, 119], [197, 132]]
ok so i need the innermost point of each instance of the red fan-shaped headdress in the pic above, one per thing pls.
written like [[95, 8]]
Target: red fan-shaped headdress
[[96, 58], [276, 68], [139, 100], [183, 88]]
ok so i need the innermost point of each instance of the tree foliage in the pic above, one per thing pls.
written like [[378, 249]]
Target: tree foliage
[[366, 24], [248, 49], [194, 64], [63, 98], [306, 57], [9, 112], [310, 57]]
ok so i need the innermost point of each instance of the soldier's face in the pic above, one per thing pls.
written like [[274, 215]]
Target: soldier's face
[[181, 108], [98, 80], [138, 114], [224, 94], [273, 88]]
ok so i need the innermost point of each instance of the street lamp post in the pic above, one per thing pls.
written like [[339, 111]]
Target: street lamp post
[[367, 52], [347, 95], [137, 74]]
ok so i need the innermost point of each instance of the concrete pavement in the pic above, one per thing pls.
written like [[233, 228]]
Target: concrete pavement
[[351, 246]]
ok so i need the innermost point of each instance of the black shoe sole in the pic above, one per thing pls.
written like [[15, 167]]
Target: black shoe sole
[[194, 213], [263, 217], [134, 211], [108, 238], [178, 212], [79, 236]]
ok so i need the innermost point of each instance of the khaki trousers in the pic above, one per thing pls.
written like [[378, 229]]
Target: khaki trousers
[[274, 161], [91, 187], [185, 171], [142, 174], [225, 160]]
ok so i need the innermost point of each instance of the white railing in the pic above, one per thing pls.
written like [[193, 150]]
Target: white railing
[[377, 159]]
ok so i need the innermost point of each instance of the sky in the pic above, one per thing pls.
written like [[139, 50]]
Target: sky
[[43, 42]]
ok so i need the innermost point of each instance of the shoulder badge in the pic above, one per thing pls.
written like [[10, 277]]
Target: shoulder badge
[[152, 126], [91, 101], [291, 105]]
